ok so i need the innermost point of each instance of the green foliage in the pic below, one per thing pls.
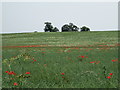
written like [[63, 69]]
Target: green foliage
[[49, 28], [69, 28], [62, 38], [65, 28], [55, 29], [46, 71], [84, 28]]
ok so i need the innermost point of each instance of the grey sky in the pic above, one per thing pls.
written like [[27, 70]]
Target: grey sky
[[30, 16]]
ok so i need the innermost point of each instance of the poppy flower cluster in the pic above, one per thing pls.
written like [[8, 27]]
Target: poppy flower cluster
[[11, 72], [110, 75], [63, 74], [96, 62]]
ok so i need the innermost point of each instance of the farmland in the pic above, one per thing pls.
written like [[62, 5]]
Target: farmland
[[60, 60]]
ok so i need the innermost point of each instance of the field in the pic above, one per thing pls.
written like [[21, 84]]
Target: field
[[60, 60]]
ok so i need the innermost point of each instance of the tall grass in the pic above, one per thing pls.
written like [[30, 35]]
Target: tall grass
[[61, 67]]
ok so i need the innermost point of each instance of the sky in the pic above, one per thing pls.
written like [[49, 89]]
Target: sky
[[20, 17]]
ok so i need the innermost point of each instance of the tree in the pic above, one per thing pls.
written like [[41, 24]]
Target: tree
[[84, 28], [48, 27], [55, 29], [69, 28], [65, 28], [75, 28]]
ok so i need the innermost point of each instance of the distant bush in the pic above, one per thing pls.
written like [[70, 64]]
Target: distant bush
[[84, 28], [35, 31]]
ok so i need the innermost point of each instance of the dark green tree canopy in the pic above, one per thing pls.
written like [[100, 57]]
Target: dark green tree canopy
[[55, 29], [65, 28], [84, 28], [69, 27], [49, 27]]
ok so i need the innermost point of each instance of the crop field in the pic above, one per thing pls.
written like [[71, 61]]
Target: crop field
[[60, 60]]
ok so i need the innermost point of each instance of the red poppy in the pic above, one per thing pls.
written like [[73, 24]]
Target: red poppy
[[10, 73], [114, 60], [93, 62], [35, 60], [15, 84], [13, 73], [62, 73], [108, 77], [6, 71], [27, 73], [82, 56], [111, 74]]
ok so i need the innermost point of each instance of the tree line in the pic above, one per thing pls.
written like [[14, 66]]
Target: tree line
[[65, 28]]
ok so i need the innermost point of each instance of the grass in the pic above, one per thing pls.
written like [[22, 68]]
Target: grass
[[87, 64]]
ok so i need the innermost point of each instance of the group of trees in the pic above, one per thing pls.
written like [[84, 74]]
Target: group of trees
[[65, 28]]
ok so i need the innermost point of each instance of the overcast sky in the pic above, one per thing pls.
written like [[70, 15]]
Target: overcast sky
[[30, 16]]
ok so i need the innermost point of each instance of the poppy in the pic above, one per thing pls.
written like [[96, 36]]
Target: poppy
[[108, 77], [27, 73], [10, 73], [114, 60], [111, 74], [93, 62], [62, 73], [15, 84], [82, 56], [6, 71]]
